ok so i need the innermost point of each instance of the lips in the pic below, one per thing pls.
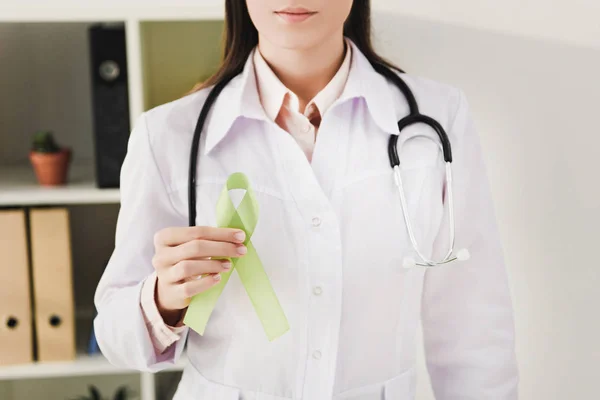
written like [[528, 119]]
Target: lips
[[295, 14]]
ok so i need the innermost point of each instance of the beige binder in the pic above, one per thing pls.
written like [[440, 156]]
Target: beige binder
[[52, 284], [15, 306]]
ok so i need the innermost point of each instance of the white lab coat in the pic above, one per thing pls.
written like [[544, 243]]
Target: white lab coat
[[332, 239]]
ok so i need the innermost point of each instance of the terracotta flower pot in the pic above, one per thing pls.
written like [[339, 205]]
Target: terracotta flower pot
[[51, 168]]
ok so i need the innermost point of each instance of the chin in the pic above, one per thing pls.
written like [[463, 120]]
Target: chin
[[297, 39]]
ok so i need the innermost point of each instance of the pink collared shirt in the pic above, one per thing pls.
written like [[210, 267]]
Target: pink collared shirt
[[282, 106]]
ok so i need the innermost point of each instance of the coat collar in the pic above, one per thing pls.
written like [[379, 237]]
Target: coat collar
[[240, 99], [367, 84]]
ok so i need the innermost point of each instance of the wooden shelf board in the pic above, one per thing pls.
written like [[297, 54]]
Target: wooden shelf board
[[19, 187], [86, 12], [84, 365]]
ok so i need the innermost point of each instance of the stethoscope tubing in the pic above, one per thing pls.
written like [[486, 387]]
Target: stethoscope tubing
[[412, 118]]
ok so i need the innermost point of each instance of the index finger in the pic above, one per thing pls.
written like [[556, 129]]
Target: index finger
[[178, 235]]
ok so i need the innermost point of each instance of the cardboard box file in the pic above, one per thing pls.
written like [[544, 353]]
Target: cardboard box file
[[52, 284], [15, 305]]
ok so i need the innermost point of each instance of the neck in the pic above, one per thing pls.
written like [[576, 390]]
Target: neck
[[305, 71]]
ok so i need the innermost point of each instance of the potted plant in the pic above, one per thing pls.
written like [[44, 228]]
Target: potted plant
[[94, 394], [50, 162], [122, 393]]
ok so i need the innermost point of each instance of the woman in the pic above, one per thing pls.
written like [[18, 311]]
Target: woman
[[307, 118]]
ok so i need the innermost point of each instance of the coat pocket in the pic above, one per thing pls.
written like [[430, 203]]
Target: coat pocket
[[194, 386], [400, 387]]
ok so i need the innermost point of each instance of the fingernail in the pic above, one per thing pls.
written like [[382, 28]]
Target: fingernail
[[226, 264], [217, 277], [240, 236], [242, 250]]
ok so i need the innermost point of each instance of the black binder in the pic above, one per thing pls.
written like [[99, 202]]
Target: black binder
[[110, 100]]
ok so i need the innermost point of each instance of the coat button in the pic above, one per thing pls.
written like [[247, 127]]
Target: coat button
[[317, 355], [317, 290], [316, 221]]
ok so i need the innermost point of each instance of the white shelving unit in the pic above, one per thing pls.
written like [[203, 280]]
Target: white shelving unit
[[112, 11], [18, 185], [84, 365], [109, 10]]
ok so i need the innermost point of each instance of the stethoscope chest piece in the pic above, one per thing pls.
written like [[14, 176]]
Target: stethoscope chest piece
[[415, 118]]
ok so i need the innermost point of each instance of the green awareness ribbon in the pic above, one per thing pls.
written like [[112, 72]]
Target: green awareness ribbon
[[249, 267]]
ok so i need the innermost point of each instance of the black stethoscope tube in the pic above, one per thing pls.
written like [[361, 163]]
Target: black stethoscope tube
[[414, 117]]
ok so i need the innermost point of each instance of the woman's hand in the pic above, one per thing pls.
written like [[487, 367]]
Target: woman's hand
[[182, 256]]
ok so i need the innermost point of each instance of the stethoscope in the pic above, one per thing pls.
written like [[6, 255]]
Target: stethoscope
[[413, 117]]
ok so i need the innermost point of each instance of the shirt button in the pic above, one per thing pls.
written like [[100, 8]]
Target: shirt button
[[317, 355], [316, 221], [317, 290], [307, 128]]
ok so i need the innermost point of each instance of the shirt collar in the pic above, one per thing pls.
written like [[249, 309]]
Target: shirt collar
[[272, 91], [240, 98], [326, 97]]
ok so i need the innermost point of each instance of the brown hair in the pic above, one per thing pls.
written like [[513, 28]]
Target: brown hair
[[241, 37]]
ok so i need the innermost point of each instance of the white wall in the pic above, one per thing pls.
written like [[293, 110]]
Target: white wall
[[573, 21], [16, 123], [570, 21], [536, 103], [45, 70]]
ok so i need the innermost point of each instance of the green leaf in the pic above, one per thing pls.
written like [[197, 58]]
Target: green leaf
[[123, 393], [95, 393], [43, 142]]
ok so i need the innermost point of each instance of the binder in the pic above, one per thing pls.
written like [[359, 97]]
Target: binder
[[51, 267], [15, 297]]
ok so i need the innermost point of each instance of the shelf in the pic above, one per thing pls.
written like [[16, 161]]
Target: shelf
[[84, 365], [18, 187], [78, 11]]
